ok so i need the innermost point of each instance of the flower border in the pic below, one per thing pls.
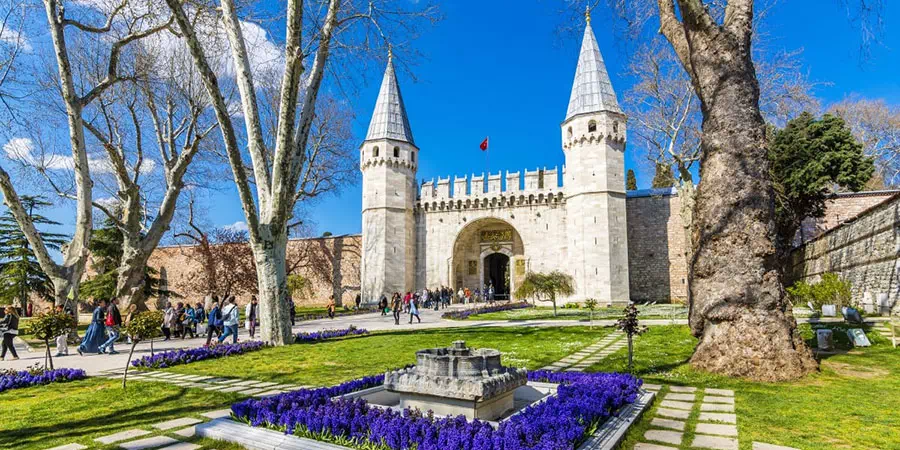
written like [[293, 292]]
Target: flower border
[[466, 313], [186, 356], [318, 336], [25, 378]]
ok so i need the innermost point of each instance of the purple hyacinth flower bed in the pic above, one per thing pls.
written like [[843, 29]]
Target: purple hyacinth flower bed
[[582, 403], [466, 313], [187, 356], [24, 378], [317, 336]]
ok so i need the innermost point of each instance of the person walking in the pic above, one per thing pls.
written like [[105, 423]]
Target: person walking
[[358, 301], [414, 310], [383, 305], [168, 321], [9, 327], [94, 337], [330, 307], [406, 300], [215, 321], [292, 310], [189, 322], [251, 315], [230, 320], [113, 322], [396, 307]]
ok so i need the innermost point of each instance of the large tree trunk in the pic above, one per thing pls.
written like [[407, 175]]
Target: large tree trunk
[[131, 281], [738, 306], [274, 315]]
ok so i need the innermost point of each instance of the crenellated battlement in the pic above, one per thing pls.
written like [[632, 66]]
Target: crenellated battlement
[[491, 190]]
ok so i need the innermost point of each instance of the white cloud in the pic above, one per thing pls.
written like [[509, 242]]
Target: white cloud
[[23, 150], [108, 202], [13, 37], [237, 226]]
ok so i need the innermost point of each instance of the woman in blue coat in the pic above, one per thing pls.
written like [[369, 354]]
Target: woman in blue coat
[[95, 334]]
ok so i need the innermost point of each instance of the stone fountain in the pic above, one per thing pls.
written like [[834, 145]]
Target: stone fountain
[[457, 381]]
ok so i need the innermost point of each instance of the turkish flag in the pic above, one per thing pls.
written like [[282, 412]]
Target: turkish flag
[[484, 144]]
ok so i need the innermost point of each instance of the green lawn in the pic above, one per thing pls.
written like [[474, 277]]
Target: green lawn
[[851, 404], [332, 362], [666, 311], [62, 413]]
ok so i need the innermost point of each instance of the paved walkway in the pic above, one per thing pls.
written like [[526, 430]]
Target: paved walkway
[[590, 355]]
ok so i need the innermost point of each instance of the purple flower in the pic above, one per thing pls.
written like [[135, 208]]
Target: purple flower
[[25, 378], [186, 356], [317, 336], [466, 313], [583, 402]]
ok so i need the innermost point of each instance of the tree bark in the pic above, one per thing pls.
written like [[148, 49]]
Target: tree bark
[[134, 344], [738, 307], [274, 315]]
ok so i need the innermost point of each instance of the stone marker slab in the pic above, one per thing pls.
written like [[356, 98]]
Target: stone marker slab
[[153, 442], [668, 437], [714, 399], [764, 446], [673, 413], [667, 423], [718, 417], [121, 436], [716, 429], [682, 389], [177, 423], [680, 397], [219, 413], [644, 446], [69, 447], [717, 407], [676, 405], [714, 442], [722, 392]]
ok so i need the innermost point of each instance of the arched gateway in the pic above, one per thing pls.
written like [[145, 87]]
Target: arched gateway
[[488, 252]]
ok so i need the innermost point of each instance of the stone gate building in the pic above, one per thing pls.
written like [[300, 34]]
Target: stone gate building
[[475, 231]]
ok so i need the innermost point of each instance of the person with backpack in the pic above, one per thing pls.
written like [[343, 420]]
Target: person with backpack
[[230, 319], [215, 321], [9, 328], [113, 322], [189, 321]]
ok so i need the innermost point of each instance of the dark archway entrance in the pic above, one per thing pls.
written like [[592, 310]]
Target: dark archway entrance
[[496, 273]]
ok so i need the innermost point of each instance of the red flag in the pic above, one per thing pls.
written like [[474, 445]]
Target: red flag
[[484, 144]]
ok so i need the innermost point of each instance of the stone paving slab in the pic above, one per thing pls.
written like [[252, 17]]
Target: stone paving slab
[[665, 436], [247, 383], [182, 446], [722, 392], [683, 389], [153, 442], [764, 446], [70, 447], [644, 446], [122, 436], [718, 417], [266, 384], [717, 407], [716, 429], [227, 381], [714, 442], [676, 405], [667, 423], [187, 432], [219, 413], [714, 399], [233, 389], [651, 387], [680, 397], [253, 390], [268, 393], [673, 413], [177, 423]]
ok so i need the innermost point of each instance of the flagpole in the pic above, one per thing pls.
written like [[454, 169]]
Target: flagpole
[[487, 159]]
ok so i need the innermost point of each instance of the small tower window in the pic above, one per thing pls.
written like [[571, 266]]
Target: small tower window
[[375, 152], [615, 126], [412, 156], [592, 126], [570, 132], [396, 152]]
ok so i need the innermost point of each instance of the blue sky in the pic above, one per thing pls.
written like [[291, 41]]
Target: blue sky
[[501, 68], [495, 69]]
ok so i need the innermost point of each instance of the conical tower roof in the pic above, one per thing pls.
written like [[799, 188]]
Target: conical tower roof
[[389, 119], [591, 91]]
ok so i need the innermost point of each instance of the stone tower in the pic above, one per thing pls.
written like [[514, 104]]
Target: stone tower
[[388, 161], [593, 139]]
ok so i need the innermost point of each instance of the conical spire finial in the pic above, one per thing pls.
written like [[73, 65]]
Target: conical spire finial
[[587, 13], [389, 120], [591, 91]]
